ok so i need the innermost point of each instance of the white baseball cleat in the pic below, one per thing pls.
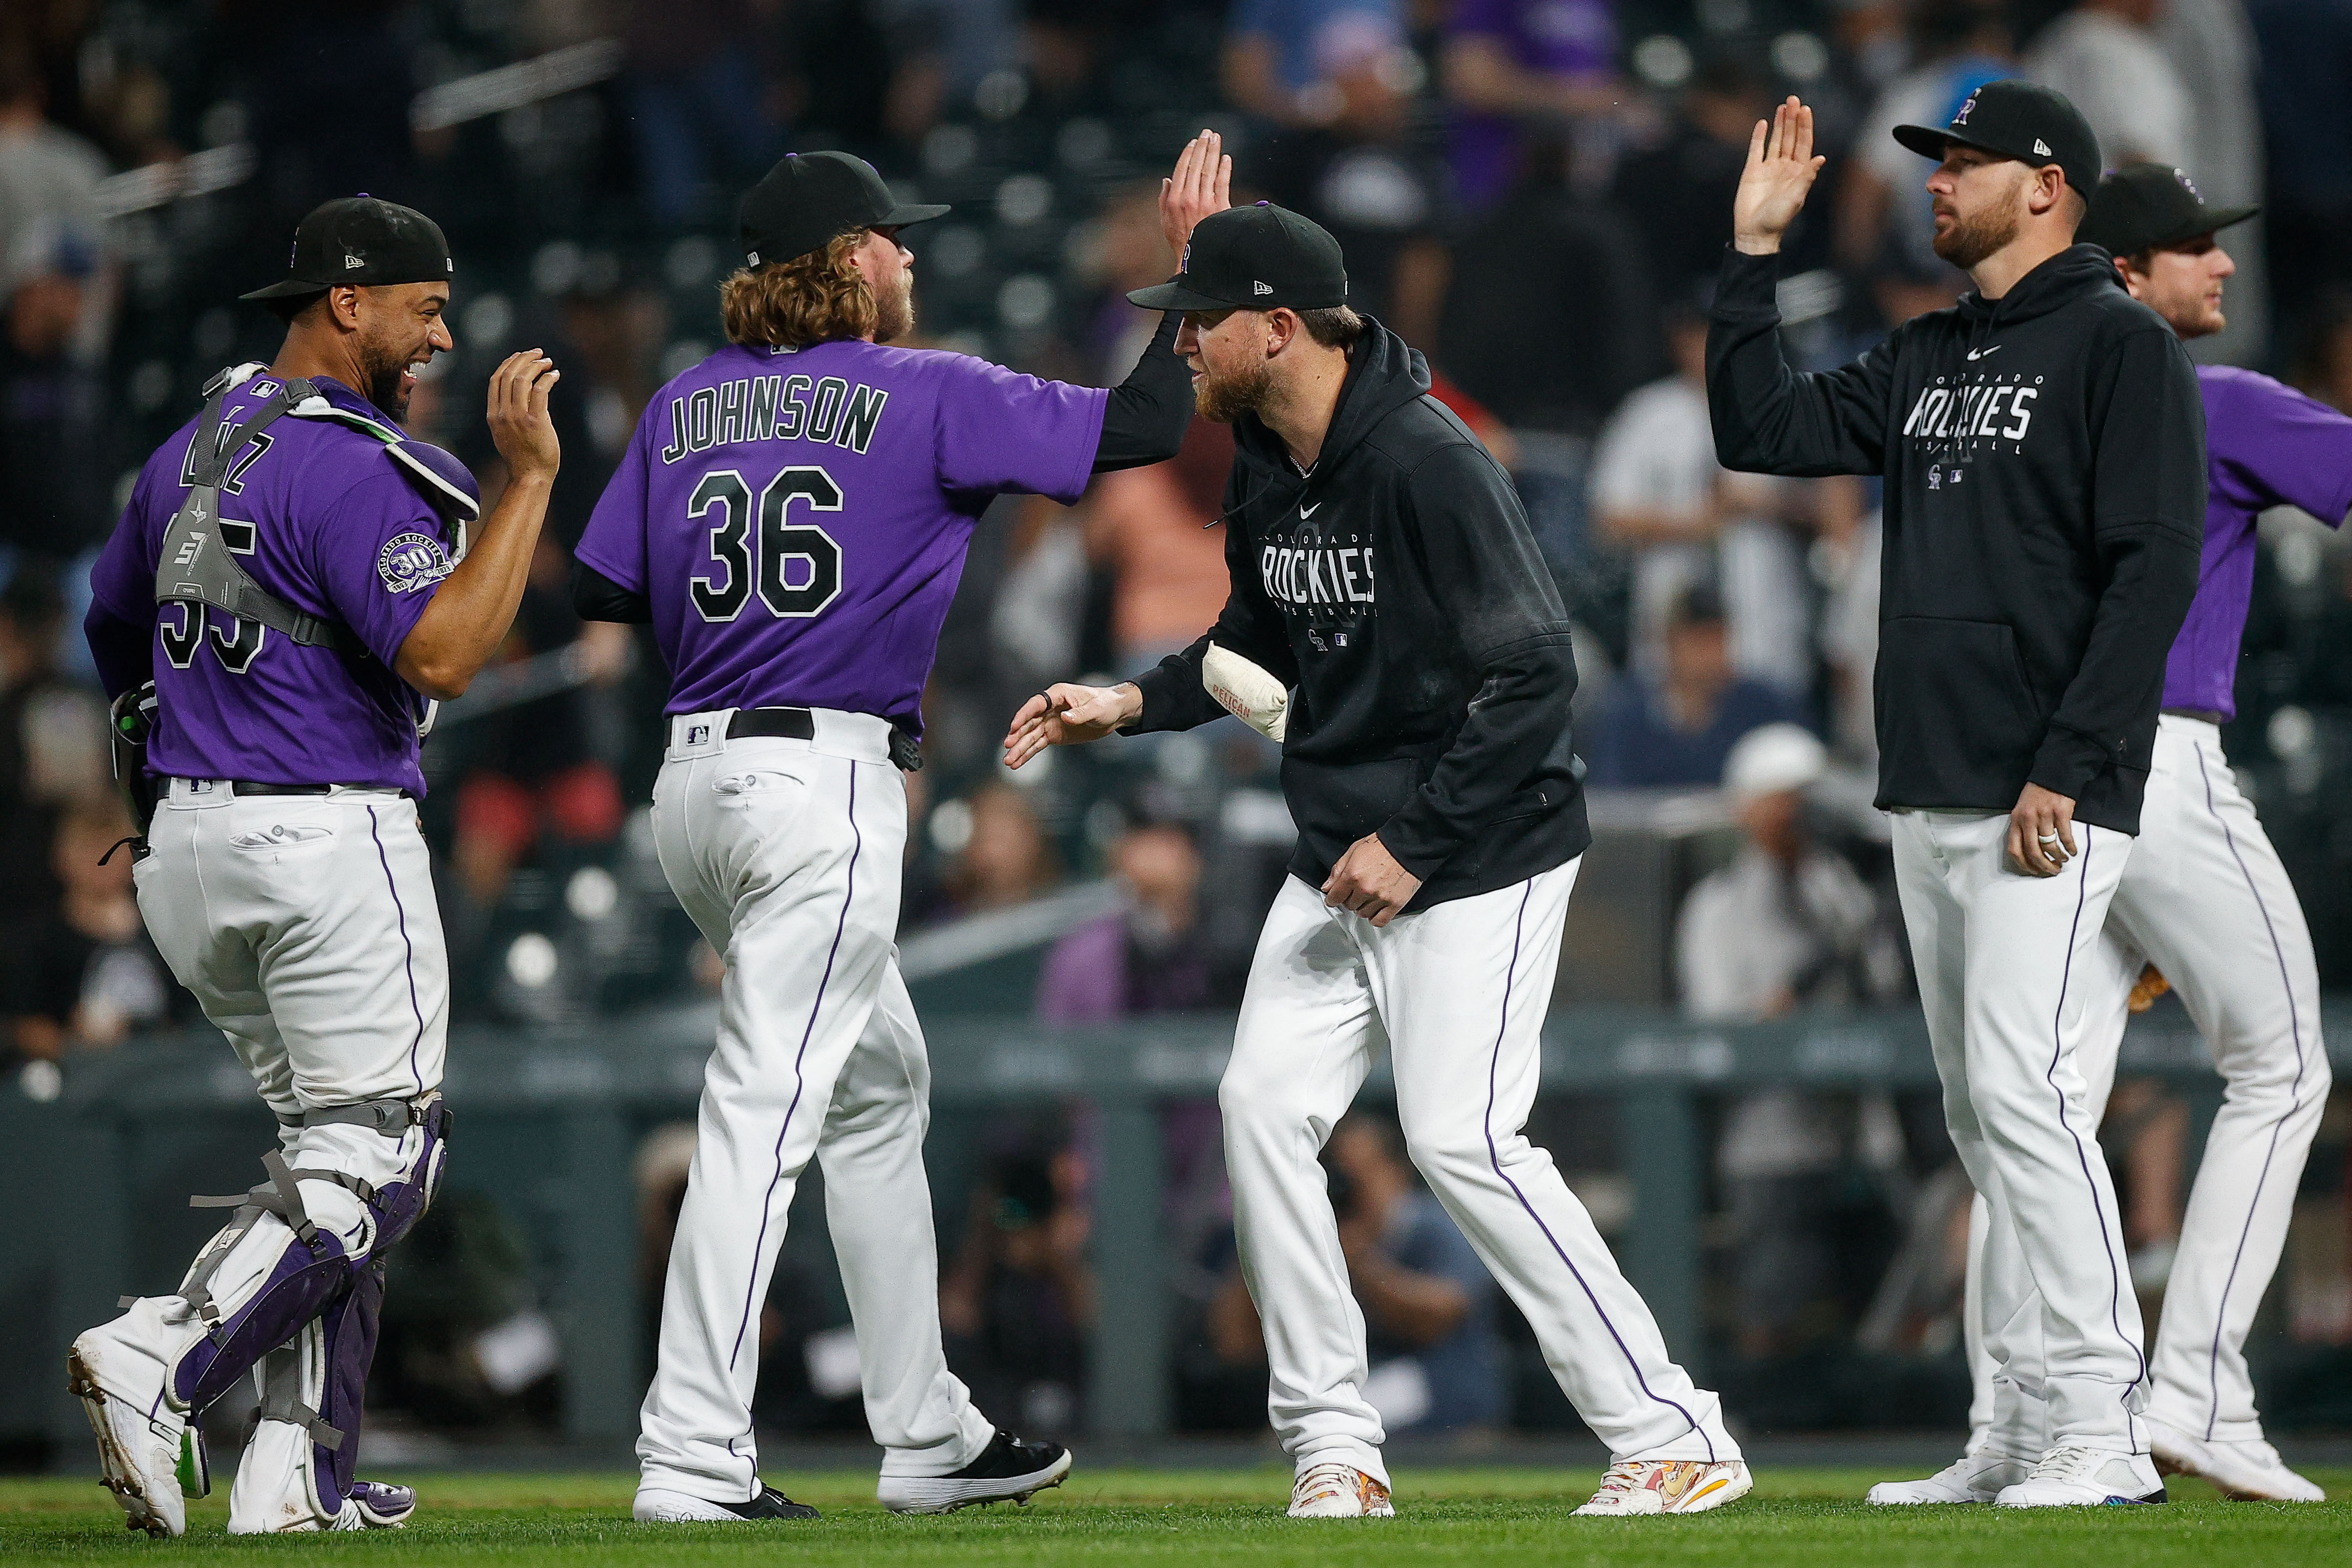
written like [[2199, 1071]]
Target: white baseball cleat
[[147, 1451], [2076, 1475], [1008, 1469], [658, 1505], [2245, 1472], [1669, 1485], [1971, 1477], [1334, 1490]]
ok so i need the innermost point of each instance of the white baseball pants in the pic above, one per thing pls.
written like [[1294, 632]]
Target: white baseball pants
[[1457, 993], [306, 928], [787, 855], [2206, 900], [2013, 987]]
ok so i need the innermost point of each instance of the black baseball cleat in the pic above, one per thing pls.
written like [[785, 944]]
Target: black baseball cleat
[[659, 1506], [1008, 1469]]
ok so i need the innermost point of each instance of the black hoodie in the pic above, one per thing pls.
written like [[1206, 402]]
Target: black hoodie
[[1397, 589], [2044, 459]]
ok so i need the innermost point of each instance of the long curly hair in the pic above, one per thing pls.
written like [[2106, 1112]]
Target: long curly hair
[[811, 299]]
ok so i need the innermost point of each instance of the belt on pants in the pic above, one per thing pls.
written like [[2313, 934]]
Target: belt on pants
[[247, 787], [799, 724]]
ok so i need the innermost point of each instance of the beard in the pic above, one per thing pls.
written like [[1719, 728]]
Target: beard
[[1969, 240], [894, 309], [384, 368], [1225, 398]]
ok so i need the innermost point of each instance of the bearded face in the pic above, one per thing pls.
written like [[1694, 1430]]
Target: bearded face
[[894, 305], [1225, 396], [1966, 235]]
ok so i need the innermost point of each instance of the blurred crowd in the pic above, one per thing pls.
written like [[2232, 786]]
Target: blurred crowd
[[1534, 193]]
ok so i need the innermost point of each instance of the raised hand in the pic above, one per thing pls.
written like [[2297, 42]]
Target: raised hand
[[519, 426], [1202, 183], [1782, 165]]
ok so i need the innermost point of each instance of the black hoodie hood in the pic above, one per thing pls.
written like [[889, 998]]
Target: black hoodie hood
[[1385, 373], [2074, 274]]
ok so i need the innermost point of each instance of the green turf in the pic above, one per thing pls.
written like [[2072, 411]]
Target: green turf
[[1800, 1519]]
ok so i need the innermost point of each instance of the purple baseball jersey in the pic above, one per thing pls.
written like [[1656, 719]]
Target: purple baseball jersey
[[798, 517], [2266, 446], [337, 530], [1558, 37]]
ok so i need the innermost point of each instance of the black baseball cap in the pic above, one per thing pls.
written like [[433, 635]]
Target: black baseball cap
[[1254, 258], [810, 198], [2016, 119], [2145, 206], [360, 239]]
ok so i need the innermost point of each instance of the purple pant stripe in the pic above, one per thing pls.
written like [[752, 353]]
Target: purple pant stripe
[[800, 1085], [407, 947], [1495, 1157], [2050, 1076], [2295, 1098]]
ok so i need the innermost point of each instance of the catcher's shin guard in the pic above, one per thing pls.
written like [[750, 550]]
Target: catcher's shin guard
[[298, 1473]]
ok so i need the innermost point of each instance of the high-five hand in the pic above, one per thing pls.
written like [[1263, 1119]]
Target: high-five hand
[[1067, 713], [1782, 165], [1202, 183]]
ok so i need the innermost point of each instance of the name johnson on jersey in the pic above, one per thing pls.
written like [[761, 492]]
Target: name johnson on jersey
[[826, 409]]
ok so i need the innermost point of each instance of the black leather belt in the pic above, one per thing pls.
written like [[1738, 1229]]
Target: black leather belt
[[773, 723], [241, 787], [2208, 714]]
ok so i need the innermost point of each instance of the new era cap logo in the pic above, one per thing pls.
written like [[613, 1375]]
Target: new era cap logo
[[1261, 287], [351, 261], [2042, 149]]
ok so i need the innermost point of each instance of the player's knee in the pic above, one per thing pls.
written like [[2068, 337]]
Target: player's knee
[[1446, 1150], [1259, 1104]]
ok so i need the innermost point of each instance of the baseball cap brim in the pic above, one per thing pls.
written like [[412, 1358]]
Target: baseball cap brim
[[2209, 220], [907, 213], [286, 289], [1178, 294], [1929, 142]]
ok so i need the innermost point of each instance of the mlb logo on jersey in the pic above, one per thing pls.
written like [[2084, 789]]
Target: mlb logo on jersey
[[410, 561]]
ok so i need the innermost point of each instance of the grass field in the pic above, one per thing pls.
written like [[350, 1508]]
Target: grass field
[[1797, 1519]]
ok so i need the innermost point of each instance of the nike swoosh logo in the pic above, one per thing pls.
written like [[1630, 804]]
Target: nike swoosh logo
[[1986, 353], [1310, 511]]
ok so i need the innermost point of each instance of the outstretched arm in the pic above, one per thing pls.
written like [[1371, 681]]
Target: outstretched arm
[[1148, 414], [1767, 418]]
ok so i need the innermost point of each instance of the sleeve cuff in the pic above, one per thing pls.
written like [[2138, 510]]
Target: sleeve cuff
[[1747, 287], [1411, 849], [2069, 760], [1161, 701]]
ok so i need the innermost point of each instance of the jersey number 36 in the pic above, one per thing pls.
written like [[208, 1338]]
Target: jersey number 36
[[795, 568]]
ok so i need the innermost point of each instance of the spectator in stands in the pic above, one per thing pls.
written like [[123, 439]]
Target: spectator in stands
[[2104, 55], [52, 738], [1518, 73], [1788, 924], [698, 100], [1355, 171], [534, 771], [1272, 64], [1675, 729], [1884, 215], [1149, 529], [1151, 956], [1659, 494], [1017, 1301], [1680, 190], [79, 972], [1004, 861], [48, 176], [1438, 1363], [2305, 47]]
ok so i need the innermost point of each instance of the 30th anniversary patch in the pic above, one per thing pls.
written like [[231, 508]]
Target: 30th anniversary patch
[[411, 561]]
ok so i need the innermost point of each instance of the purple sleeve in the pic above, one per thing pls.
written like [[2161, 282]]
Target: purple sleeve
[[999, 430], [123, 651], [2293, 447], [122, 579], [613, 542], [380, 555]]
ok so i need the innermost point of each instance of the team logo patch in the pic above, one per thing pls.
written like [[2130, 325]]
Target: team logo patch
[[2187, 185], [411, 561], [1962, 117]]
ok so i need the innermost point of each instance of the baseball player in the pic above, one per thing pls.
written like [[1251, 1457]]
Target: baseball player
[[1392, 623], [2204, 896], [287, 589], [791, 516], [2043, 451]]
